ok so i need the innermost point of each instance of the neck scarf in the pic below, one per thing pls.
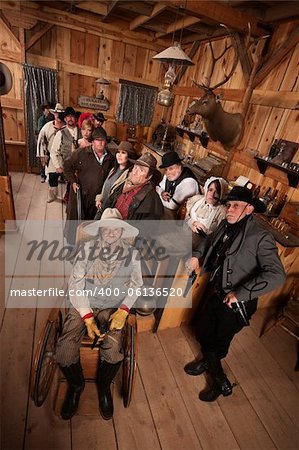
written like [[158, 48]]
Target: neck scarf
[[106, 266]]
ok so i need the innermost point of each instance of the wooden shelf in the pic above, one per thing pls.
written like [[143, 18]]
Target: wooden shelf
[[203, 137], [293, 175]]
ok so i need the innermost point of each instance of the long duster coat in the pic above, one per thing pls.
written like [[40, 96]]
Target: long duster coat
[[251, 266], [82, 167]]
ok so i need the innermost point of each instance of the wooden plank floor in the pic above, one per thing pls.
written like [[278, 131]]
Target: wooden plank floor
[[165, 412]]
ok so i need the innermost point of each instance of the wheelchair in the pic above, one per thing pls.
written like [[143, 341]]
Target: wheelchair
[[44, 364]]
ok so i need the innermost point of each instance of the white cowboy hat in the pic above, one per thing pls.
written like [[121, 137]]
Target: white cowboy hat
[[58, 108], [5, 79], [111, 218]]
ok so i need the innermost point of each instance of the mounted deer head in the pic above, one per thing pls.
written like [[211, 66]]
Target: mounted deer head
[[221, 125]]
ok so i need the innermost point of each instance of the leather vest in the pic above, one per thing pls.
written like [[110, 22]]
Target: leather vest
[[170, 186], [67, 141]]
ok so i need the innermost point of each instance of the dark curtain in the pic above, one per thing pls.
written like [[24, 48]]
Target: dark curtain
[[136, 104], [40, 88]]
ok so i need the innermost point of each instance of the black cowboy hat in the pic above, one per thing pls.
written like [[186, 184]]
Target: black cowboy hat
[[169, 159], [69, 111], [243, 194], [100, 117]]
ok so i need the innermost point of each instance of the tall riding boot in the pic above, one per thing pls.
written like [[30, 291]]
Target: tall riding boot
[[221, 384], [53, 194], [196, 367], [76, 384], [106, 374]]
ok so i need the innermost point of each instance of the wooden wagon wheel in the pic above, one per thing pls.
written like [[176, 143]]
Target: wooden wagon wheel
[[129, 363], [44, 364]]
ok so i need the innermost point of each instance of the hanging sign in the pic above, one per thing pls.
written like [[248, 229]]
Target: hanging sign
[[93, 103]]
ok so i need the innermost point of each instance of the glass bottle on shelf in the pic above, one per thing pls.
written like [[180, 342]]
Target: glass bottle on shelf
[[280, 205], [273, 149], [191, 154], [272, 203], [267, 196], [256, 192]]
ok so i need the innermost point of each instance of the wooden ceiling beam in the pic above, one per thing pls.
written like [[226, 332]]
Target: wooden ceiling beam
[[184, 22], [277, 57], [38, 35], [288, 10], [84, 23], [205, 36], [243, 56], [94, 7], [111, 6], [5, 20], [6, 26], [219, 13], [142, 19]]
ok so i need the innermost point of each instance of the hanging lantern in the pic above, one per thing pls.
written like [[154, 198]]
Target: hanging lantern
[[165, 97], [174, 56]]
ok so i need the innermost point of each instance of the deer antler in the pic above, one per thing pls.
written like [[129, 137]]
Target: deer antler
[[200, 86], [235, 62]]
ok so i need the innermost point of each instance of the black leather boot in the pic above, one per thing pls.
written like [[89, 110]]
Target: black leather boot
[[221, 384], [106, 374], [196, 367], [76, 384]]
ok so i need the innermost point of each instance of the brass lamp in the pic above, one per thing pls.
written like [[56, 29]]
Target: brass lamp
[[174, 56]]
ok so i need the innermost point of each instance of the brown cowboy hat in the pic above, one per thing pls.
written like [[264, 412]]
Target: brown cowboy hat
[[128, 147], [147, 160], [99, 133]]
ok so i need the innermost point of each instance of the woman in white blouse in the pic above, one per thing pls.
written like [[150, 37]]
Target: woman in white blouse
[[205, 212]]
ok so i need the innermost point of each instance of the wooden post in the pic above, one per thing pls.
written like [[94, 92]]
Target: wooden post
[[7, 209]]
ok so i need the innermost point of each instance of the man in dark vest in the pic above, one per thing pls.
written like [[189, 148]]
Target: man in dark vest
[[243, 261], [65, 141], [177, 185]]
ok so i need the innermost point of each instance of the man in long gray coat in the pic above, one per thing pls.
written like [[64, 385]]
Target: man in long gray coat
[[243, 261]]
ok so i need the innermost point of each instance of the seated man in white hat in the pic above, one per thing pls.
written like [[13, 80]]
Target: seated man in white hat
[[177, 185], [109, 271]]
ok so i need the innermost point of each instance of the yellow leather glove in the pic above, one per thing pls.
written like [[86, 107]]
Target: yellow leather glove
[[118, 319], [92, 329]]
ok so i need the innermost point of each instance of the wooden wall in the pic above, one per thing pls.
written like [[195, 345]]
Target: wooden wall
[[80, 59], [263, 123], [12, 103]]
